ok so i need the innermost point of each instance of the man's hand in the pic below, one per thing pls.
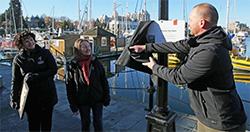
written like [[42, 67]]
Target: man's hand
[[150, 64], [138, 48]]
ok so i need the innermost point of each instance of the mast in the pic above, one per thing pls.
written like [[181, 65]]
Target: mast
[[79, 16], [6, 23], [115, 16], [90, 24], [13, 17], [145, 15], [227, 21], [122, 30], [21, 15], [184, 10], [234, 16], [53, 20], [153, 9], [127, 17]]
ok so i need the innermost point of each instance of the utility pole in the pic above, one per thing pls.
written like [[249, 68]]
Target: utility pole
[[161, 118]]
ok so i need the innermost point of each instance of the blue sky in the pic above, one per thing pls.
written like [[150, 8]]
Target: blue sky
[[69, 8]]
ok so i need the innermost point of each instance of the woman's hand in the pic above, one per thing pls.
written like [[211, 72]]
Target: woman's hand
[[76, 113]]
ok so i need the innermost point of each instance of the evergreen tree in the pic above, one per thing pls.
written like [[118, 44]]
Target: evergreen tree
[[15, 5]]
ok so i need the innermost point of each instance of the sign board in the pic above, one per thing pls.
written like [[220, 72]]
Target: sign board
[[166, 31], [23, 98]]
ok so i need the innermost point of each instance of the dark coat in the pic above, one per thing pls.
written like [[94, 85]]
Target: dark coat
[[79, 93], [135, 60], [42, 90], [208, 72]]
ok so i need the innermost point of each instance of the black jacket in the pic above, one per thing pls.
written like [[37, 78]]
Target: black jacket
[[42, 90], [209, 74], [79, 93], [135, 60]]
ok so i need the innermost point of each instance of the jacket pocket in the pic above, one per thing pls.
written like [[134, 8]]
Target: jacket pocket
[[218, 103]]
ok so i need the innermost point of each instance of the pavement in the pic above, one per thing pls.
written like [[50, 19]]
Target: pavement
[[122, 115]]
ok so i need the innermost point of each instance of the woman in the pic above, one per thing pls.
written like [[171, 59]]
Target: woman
[[87, 86], [39, 66]]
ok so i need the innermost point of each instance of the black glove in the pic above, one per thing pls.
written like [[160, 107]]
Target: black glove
[[29, 77], [14, 105]]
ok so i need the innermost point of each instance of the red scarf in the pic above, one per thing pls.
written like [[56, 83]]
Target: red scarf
[[85, 63]]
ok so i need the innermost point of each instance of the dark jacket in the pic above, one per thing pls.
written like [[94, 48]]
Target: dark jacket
[[78, 92], [42, 90], [209, 74], [135, 60]]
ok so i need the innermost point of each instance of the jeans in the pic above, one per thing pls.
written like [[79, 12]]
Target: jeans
[[97, 109], [40, 119]]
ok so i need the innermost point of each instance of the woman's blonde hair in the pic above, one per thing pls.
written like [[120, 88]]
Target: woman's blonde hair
[[77, 47]]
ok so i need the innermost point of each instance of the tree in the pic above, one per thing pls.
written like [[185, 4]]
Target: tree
[[48, 21], [98, 23], [15, 5], [41, 23], [65, 25]]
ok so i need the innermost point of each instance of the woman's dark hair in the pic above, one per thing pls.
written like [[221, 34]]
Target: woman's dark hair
[[19, 38]]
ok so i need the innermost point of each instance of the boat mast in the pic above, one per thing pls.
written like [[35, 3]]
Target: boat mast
[[127, 17], [90, 24], [227, 21], [6, 23], [184, 10], [145, 16], [13, 17], [21, 15], [79, 15], [115, 17], [53, 20], [234, 16]]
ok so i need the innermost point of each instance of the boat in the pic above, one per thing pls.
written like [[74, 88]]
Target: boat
[[242, 63], [242, 76], [173, 60], [240, 38]]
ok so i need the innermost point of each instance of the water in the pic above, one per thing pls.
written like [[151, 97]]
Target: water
[[132, 84]]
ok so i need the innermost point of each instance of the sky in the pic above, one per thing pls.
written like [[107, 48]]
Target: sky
[[69, 8]]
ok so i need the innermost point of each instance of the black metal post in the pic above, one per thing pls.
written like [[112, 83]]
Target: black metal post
[[161, 118], [151, 91]]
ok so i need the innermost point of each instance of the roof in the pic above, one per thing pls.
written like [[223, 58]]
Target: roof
[[68, 36], [98, 32]]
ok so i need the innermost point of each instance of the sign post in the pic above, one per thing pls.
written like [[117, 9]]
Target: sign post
[[161, 118]]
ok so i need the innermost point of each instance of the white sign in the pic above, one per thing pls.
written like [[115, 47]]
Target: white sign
[[166, 31]]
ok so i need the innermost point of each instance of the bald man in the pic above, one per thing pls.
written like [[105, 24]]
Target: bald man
[[208, 72]]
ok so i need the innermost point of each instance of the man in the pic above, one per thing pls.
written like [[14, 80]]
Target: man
[[207, 71]]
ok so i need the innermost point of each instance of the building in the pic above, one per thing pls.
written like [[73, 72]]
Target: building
[[32, 21], [238, 26], [125, 23]]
